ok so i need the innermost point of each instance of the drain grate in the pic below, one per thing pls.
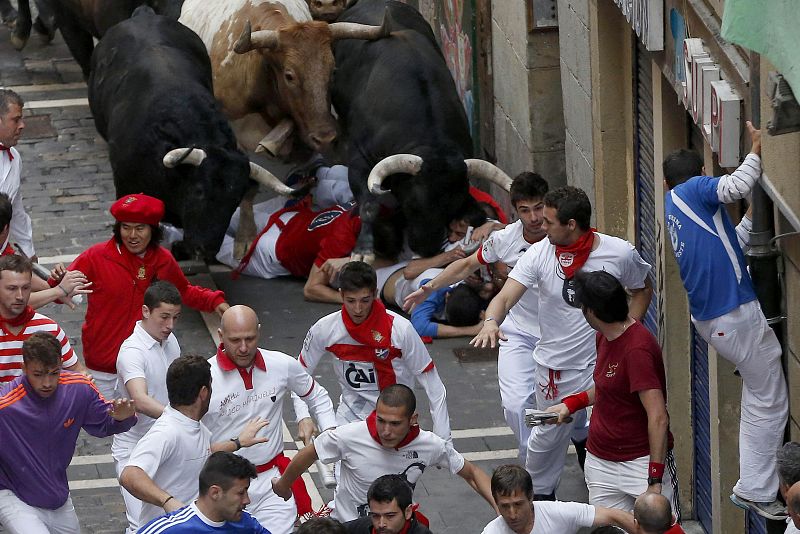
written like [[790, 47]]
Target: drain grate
[[38, 127], [471, 354]]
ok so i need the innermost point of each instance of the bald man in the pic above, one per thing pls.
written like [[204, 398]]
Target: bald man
[[652, 514], [250, 382], [793, 507]]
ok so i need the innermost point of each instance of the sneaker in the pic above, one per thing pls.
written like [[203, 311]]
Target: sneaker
[[774, 510]]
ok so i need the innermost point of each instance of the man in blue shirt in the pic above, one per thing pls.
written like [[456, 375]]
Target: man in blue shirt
[[726, 312], [220, 508]]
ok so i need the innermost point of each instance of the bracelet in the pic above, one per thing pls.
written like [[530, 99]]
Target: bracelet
[[163, 504], [655, 470], [66, 293], [576, 402], [489, 319]]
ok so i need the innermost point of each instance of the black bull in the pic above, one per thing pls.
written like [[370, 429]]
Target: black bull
[[81, 20], [397, 96], [150, 92]]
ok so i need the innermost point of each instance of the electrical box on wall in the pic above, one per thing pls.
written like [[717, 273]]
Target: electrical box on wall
[[542, 15], [726, 108], [708, 74], [691, 48], [785, 109]]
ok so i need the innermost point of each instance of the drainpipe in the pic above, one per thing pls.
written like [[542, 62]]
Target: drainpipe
[[762, 257]]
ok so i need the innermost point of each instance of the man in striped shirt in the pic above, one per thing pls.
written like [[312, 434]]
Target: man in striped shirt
[[18, 321], [224, 481]]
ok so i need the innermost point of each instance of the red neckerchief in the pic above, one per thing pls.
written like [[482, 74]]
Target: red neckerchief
[[372, 426], [275, 218], [19, 320], [7, 149], [226, 364], [572, 257], [375, 331]]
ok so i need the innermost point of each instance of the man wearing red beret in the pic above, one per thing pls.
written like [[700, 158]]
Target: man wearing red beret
[[121, 269]]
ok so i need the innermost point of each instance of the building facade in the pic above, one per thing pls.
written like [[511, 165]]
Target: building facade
[[641, 78]]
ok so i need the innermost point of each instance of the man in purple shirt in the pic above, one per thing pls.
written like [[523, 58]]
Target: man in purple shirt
[[41, 414]]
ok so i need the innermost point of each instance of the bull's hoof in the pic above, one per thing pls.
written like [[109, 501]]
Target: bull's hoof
[[366, 257], [18, 42], [9, 18], [45, 30]]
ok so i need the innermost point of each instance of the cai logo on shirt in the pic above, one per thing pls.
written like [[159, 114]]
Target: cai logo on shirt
[[360, 376]]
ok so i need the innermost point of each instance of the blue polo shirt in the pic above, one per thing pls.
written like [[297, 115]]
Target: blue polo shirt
[[190, 520], [704, 242]]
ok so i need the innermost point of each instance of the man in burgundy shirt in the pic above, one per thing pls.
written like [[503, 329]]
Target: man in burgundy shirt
[[629, 440]]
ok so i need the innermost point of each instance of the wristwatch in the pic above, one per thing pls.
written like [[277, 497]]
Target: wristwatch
[[236, 442], [653, 480]]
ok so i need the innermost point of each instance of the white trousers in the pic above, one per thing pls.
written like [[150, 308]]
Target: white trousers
[[547, 445], [515, 372], [269, 509], [744, 338], [133, 506], [617, 484], [106, 384], [20, 518]]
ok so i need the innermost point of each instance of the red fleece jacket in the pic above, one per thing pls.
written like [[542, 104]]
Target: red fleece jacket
[[119, 280]]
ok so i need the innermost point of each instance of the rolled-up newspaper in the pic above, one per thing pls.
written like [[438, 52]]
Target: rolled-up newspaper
[[538, 417]]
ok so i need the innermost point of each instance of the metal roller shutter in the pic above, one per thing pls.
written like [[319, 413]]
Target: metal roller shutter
[[645, 175], [701, 423]]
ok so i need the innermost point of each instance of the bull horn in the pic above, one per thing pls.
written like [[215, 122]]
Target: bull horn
[[354, 30], [405, 163], [190, 156], [269, 180], [250, 40], [478, 168]]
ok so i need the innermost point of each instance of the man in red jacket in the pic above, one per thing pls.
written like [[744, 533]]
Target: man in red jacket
[[121, 269]]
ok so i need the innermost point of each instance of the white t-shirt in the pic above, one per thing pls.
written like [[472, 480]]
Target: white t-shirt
[[551, 518], [364, 459], [508, 245], [142, 356], [790, 528], [567, 341], [361, 369], [172, 453], [272, 377], [404, 287]]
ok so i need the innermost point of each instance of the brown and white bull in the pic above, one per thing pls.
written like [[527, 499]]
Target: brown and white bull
[[272, 62]]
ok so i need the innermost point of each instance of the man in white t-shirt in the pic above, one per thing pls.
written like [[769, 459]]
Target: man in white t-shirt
[[11, 126], [142, 369], [252, 382], [512, 490], [788, 462], [515, 364], [388, 442], [374, 349], [163, 468], [566, 353]]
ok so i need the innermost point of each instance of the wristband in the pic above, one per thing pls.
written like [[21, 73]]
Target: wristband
[[163, 504], [576, 402], [655, 470]]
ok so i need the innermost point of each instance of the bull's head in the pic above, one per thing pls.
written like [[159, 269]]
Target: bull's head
[[432, 192], [214, 181], [300, 59], [326, 10]]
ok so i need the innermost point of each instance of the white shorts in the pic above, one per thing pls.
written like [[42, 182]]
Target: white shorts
[[20, 518], [106, 383]]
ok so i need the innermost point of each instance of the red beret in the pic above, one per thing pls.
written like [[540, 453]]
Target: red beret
[[138, 209]]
